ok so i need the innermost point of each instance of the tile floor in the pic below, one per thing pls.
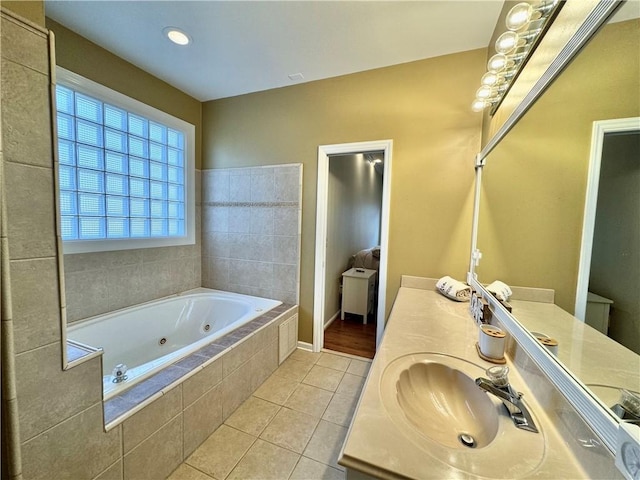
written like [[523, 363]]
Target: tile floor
[[292, 427]]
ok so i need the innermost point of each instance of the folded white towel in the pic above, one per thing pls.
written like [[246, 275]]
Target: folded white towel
[[454, 289], [500, 290]]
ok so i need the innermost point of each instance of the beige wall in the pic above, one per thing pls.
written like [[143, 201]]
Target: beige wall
[[423, 106], [85, 58], [353, 219], [32, 10], [534, 184]]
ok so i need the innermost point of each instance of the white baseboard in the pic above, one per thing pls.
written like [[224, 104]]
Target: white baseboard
[[305, 346], [330, 321]]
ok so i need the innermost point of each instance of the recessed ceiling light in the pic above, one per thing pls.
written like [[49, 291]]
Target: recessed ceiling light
[[177, 36], [296, 77]]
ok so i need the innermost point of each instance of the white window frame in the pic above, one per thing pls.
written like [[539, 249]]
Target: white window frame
[[105, 94]]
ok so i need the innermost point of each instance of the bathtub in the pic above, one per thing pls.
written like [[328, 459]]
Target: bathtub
[[151, 336]]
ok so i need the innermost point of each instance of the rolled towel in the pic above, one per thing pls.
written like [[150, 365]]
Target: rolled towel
[[454, 289], [500, 290]]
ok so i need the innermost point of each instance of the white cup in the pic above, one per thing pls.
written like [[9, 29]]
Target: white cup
[[491, 341]]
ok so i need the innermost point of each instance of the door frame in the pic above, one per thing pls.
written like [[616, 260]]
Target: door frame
[[324, 151], [599, 130]]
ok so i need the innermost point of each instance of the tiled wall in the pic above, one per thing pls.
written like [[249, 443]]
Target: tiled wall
[[101, 282], [251, 230], [54, 407]]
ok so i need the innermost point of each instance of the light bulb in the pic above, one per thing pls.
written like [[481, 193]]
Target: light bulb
[[489, 79], [497, 63], [479, 105], [519, 16], [484, 92], [177, 36], [507, 42]]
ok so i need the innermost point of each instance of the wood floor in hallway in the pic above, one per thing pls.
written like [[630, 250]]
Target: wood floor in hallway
[[352, 336]]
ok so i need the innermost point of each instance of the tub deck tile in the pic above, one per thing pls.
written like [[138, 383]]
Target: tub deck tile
[[153, 384], [245, 330], [226, 341], [192, 361], [116, 407], [210, 351], [262, 321]]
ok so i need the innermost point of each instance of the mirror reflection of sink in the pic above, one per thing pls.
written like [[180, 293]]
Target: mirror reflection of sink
[[446, 405], [433, 400]]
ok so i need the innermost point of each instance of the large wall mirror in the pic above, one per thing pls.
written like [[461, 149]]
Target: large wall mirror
[[532, 209]]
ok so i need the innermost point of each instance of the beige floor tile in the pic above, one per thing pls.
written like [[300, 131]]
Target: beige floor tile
[[325, 444], [276, 389], [350, 385], [253, 416], [265, 461], [323, 377], [290, 429], [220, 453], [337, 362], [309, 399], [305, 356], [187, 472], [341, 409], [293, 369], [308, 469], [359, 367]]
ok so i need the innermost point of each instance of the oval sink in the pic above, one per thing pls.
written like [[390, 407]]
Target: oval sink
[[434, 402], [446, 405]]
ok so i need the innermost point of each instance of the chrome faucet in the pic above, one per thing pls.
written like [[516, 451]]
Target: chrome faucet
[[628, 407], [498, 384]]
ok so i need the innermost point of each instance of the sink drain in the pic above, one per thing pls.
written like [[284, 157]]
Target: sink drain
[[467, 440]]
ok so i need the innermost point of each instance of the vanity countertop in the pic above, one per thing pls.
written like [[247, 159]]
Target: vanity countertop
[[424, 321]]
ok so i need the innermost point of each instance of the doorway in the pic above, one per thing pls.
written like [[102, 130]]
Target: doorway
[[609, 275], [354, 208], [327, 275]]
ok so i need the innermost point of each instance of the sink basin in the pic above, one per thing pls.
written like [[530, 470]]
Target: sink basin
[[434, 402], [446, 405]]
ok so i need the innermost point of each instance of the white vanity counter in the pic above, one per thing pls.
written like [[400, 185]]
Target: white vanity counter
[[424, 321]]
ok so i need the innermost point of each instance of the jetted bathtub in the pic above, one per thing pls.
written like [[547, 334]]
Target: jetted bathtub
[[151, 336]]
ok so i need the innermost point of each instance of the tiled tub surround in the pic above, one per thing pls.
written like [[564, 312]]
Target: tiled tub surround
[[157, 424], [251, 230], [572, 450], [101, 282], [151, 336], [253, 346]]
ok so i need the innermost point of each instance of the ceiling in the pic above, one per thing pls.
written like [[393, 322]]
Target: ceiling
[[240, 46]]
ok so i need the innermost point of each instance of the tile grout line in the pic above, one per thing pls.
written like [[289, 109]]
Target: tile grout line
[[320, 418], [245, 453]]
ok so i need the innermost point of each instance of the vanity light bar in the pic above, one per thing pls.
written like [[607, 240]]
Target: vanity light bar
[[525, 23]]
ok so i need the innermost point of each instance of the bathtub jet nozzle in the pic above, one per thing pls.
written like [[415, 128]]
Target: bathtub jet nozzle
[[119, 373]]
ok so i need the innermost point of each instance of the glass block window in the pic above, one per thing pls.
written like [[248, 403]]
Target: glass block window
[[121, 174]]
